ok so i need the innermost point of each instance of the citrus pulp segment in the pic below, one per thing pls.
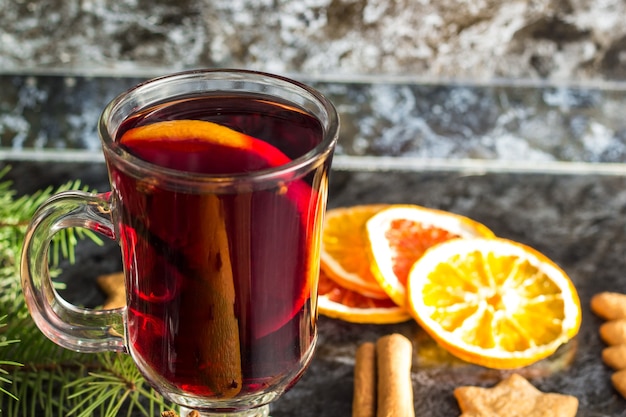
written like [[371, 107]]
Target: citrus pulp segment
[[337, 302], [493, 302], [400, 234], [344, 253]]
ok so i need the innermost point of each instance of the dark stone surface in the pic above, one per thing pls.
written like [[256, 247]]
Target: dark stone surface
[[577, 220]]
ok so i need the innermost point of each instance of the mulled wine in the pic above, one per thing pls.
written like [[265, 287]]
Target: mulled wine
[[221, 284]]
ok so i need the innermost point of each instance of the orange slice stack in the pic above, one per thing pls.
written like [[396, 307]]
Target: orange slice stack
[[367, 251], [487, 300]]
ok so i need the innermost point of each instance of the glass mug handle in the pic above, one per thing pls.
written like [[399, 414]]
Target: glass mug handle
[[75, 328]]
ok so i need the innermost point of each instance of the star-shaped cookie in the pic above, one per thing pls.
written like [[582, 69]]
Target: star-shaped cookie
[[514, 397]]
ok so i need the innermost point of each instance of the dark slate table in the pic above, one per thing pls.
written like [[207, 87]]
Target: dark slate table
[[577, 220]]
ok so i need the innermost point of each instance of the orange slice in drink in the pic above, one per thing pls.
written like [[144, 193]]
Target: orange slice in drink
[[400, 234], [168, 134], [337, 302], [344, 253], [493, 302]]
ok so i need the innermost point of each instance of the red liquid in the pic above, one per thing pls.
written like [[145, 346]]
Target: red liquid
[[221, 286]]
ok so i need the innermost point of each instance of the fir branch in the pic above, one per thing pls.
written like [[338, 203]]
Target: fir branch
[[54, 381], [4, 363], [120, 382]]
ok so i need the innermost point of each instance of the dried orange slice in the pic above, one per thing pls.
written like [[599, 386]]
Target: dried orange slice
[[337, 302], [400, 234], [344, 253], [493, 302]]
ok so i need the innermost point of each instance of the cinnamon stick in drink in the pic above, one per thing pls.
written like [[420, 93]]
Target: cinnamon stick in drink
[[216, 345], [364, 400], [395, 390]]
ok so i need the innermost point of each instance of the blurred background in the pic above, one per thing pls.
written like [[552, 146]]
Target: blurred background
[[451, 80], [557, 40]]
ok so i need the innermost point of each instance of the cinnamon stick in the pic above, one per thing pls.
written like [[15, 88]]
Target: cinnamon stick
[[364, 400], [216, 343], [395, 390]]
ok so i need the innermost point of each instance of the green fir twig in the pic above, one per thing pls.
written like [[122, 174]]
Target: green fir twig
[[4, 363], [37, 377]]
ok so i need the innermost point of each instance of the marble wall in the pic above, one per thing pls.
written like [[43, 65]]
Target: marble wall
[[568, 40], [531, 80]]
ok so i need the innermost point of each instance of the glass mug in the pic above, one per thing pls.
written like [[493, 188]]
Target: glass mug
[[219, 182]]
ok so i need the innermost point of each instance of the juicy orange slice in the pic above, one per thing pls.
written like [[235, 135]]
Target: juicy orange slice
[[337, 302], [344, 253], [400, 234], [493, 302], [169, 132]]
